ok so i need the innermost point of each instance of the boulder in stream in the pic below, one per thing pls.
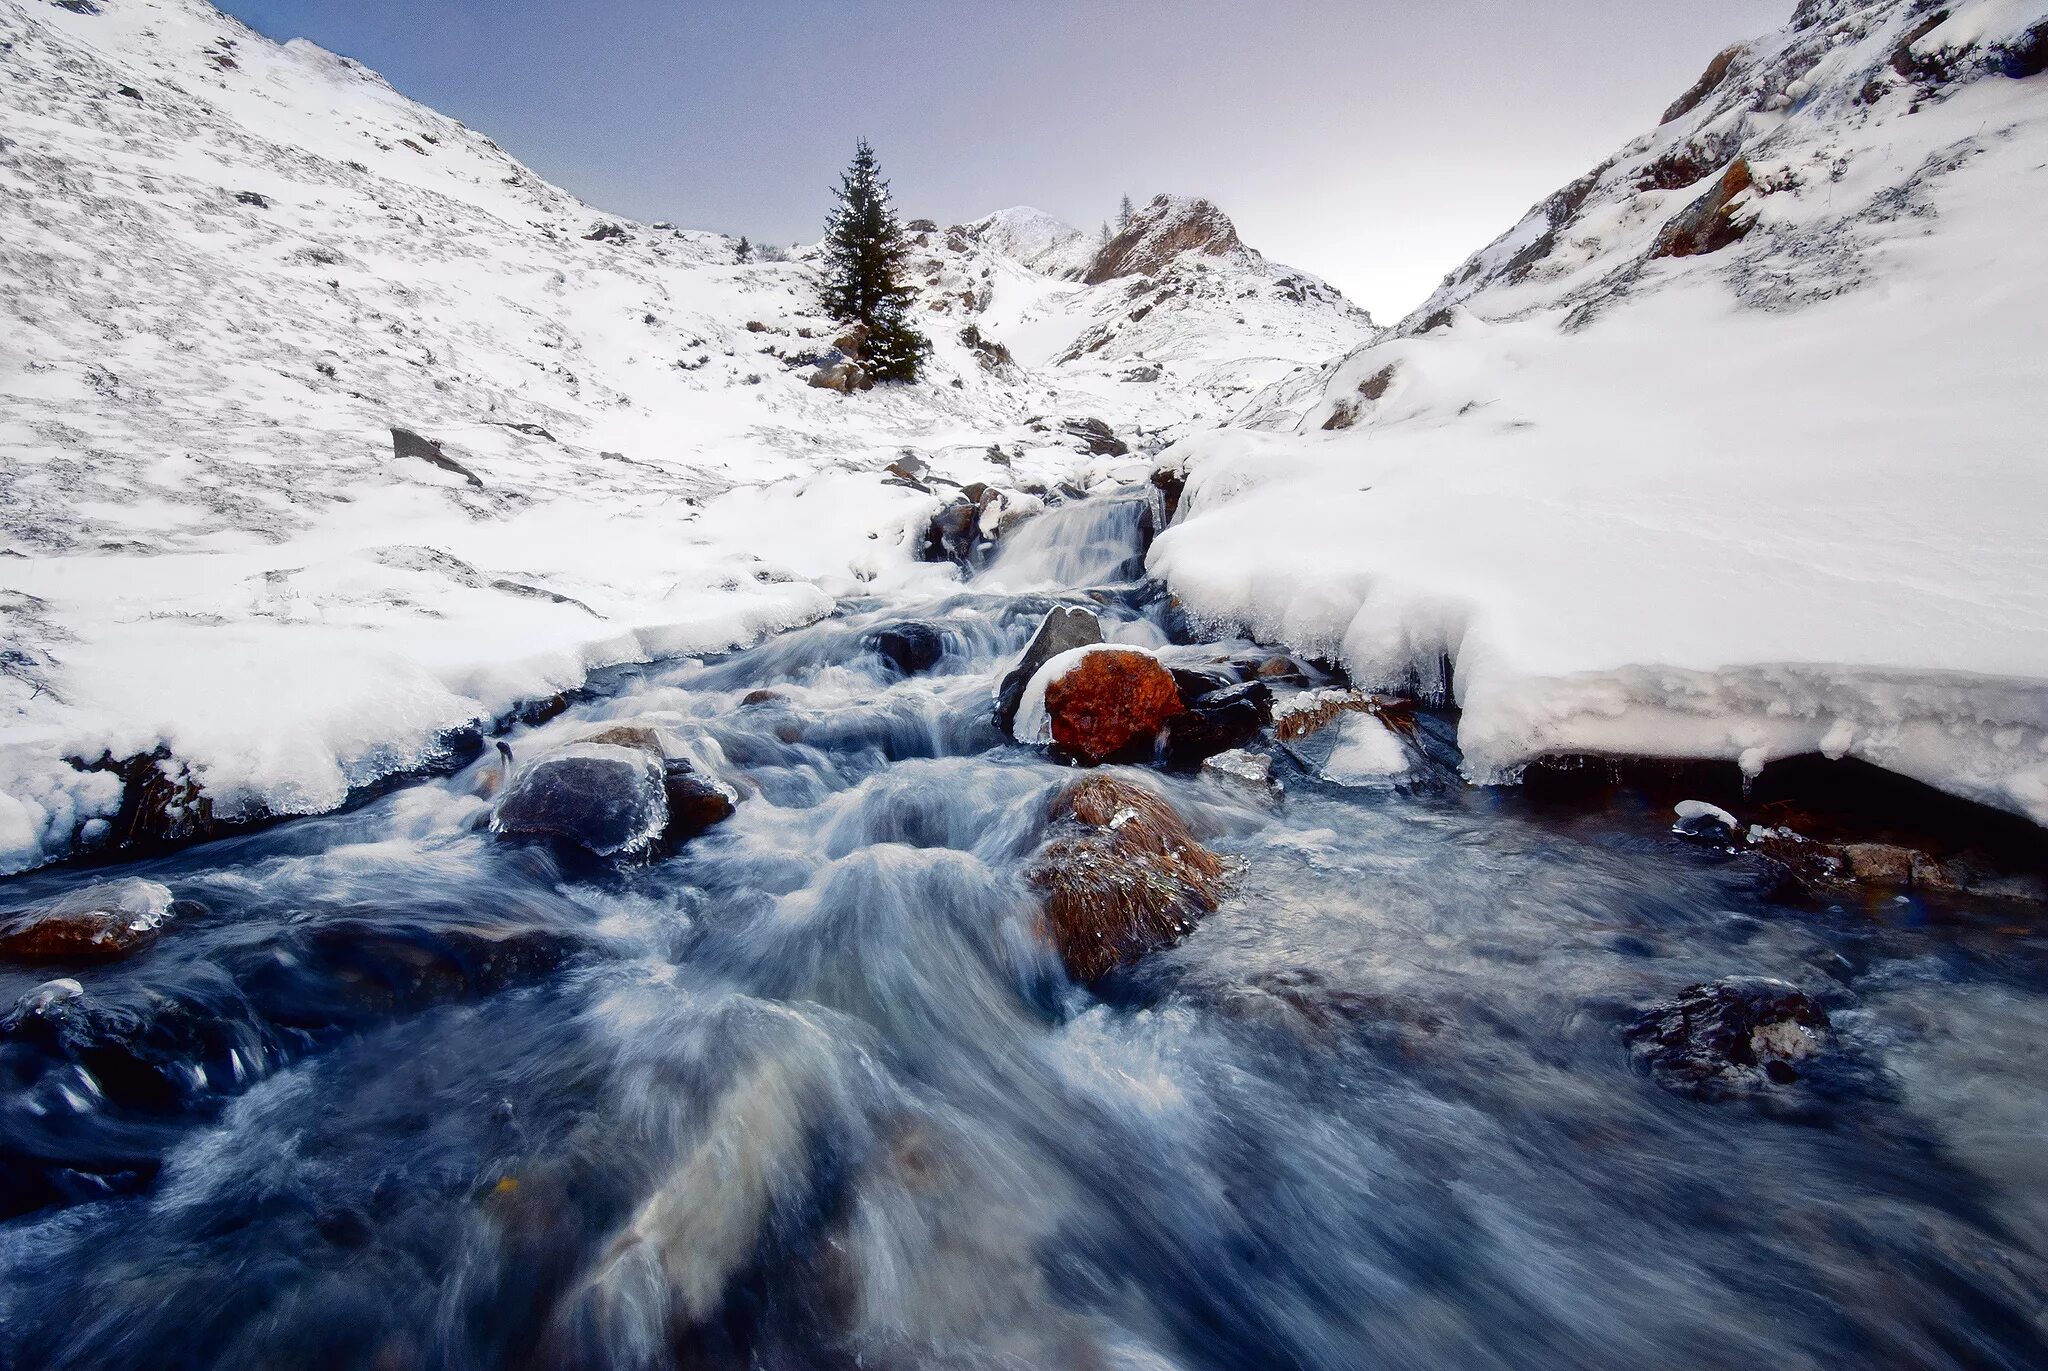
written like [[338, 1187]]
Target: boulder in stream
[[1729, 1037], [98, 923], [910, 647], [1218, 721], [1121, 876], [1098, 703], [607, 797]]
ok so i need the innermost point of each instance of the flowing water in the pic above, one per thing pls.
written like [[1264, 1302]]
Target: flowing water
[[391, 1093]]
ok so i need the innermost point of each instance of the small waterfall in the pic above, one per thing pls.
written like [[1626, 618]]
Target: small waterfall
[[1087, 543]]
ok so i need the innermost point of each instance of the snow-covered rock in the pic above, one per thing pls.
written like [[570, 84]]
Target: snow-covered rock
[[1780, 496]]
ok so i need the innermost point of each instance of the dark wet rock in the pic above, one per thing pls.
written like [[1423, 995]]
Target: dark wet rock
[[405, 443], [1219, 721], [642, 737], [600, 796], [909, 647], [1730, 1037], [97, 923], [1121, 876], [755, 698], [695, 802], [162, 805], [1111, 703], [1063, 629], [1711, 222], [1705, 823]]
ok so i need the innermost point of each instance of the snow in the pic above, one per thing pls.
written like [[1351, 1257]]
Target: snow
[[1366, 752], [1690, 813], [1778, 499], [207, 544]]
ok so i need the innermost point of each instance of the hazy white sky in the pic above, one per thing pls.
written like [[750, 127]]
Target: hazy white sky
[[1374, 142]]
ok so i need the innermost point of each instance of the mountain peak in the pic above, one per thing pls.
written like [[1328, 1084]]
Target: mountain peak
[[1171, 226]]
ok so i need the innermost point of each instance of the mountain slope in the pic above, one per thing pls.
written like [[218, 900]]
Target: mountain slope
[[230, 268], [1730, 449]]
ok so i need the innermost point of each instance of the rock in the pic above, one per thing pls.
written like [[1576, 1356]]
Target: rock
[[1121, 876], [1063, 629], [853, 342], [953, 533], [845, 376], [756, 326], [1711, 222], [254, 198], [911, 648], [1709, 82], [406, 443], [96, 923], [130, 93], [695, 802], [1097, 438], [763, 696], [910, 467], [606, 233], [992, 355], [601, 796], [1106, 702], [1729, 1037], [1167, 228], [1219, 721], [162, 806], [1252, 770], [640, 736]]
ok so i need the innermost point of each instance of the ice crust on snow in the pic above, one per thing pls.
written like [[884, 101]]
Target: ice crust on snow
[[1780, 498]]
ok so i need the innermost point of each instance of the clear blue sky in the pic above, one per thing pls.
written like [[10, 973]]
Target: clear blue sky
[[1375, 142]]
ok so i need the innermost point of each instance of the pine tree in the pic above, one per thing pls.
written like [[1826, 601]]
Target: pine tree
[[864, 256], [1102, 235], [1125, 212], [745, 251]]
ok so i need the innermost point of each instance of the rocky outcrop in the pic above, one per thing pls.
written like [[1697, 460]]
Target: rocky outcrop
[[1170, 227], [1709, 82], [1121, 876], [1063, 629], [1108, 702], [405, 443], [1711, 222], [1730, 1037], [95, 924]]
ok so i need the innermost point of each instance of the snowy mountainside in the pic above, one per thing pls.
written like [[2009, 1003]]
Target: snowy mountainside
[[230, 268], [1730, 449], [1175, 313]]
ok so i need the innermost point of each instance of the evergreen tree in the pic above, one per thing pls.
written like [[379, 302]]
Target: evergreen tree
[[864, 255], [1125, 212], [1102, 235], [745, 251]]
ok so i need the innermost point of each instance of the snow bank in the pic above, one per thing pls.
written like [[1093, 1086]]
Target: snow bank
[[1784, 498]]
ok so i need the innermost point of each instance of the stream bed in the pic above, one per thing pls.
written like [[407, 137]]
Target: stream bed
[[811, 1091]]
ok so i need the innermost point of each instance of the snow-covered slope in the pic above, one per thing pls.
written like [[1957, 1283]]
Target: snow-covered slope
[[1730, 449], [229, 268]]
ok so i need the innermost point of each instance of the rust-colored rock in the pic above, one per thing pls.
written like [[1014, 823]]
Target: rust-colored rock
[[1122, 876], [1709, 82], [1711, 222], [1109, 701], [1166, 229], [96, 924]]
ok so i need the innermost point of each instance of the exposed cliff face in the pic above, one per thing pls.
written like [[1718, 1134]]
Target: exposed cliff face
[[1160, 235], [1719, 451]]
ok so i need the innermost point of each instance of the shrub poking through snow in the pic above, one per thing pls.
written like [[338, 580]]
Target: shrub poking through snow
[[1122, 876]]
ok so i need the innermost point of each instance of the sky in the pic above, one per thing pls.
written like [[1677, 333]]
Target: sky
[[1376, 143]]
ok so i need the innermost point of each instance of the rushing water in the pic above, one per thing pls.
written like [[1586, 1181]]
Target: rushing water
[[394, 1094]]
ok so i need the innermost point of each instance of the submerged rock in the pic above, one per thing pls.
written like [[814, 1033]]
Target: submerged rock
[[1063, 629], [608, 798], [910, 647], [98, 923], [1730, 1036], [1122, 876], [695, 802], [1252, 770], [1104, 702]]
